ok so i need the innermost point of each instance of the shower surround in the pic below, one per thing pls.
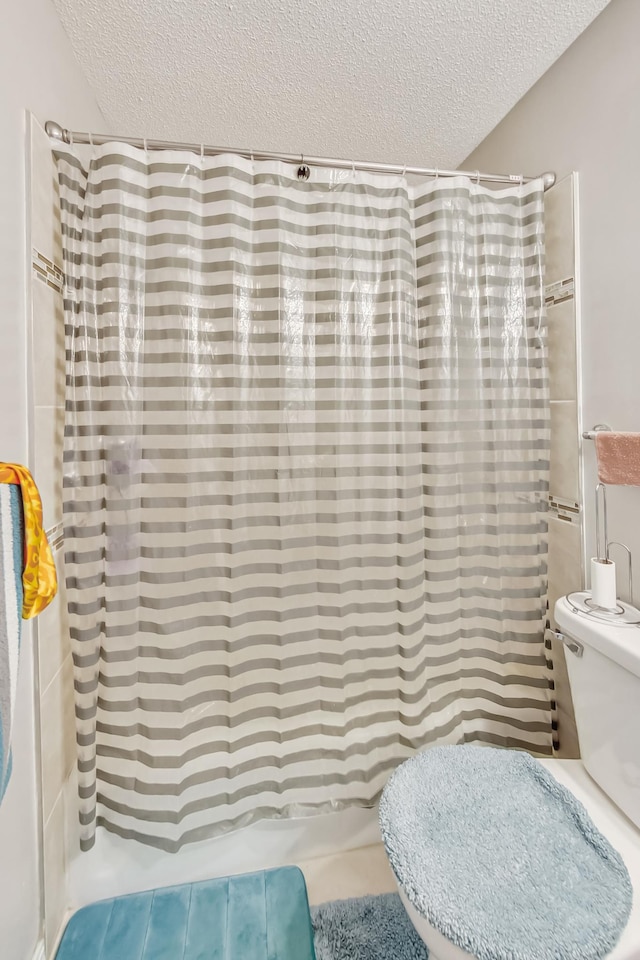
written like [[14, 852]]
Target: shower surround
[[306, 471], [116, 865]]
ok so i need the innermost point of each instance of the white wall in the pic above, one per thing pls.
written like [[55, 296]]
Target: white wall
[[37, 72], [584, 115]]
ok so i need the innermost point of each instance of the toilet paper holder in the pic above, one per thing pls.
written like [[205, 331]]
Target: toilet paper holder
[[583, 601], [602, 537]]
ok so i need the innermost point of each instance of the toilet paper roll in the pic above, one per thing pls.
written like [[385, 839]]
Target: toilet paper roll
[[603, 583]]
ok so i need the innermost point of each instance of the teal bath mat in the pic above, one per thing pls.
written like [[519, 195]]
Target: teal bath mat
[[366, 928], [255, 916]]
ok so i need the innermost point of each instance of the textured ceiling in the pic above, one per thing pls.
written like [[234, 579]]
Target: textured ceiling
[[412, 81]]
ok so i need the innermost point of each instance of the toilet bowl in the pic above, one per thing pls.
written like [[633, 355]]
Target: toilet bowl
[[603, 663]]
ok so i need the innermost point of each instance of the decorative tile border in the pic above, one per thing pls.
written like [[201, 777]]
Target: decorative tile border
[[55, 536], [567, 510], [559, 291], [47, 271]]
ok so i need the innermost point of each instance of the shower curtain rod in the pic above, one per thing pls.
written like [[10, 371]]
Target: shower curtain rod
[[56, 132]]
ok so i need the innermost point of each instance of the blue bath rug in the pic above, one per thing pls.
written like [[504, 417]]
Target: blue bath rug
[[500, 858], [253, 916], [366, 928]]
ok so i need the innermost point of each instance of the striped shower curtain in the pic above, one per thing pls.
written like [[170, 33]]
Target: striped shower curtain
[[305, 483]]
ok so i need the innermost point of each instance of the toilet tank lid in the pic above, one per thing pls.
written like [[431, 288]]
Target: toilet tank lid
[[619, 643]]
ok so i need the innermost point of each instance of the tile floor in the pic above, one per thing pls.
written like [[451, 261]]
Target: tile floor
[[350, 874], [354, 873]]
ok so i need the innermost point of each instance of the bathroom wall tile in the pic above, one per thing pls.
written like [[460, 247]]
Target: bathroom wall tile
[[565, 576], [565, 539], [564, 480], [53, 630], [567, 737], [561, 321], [55, 891], [561, 677], [565, 559], [45, 210], [47, 466], [48, 346], [72, 819], [559, 233], [57, 732]]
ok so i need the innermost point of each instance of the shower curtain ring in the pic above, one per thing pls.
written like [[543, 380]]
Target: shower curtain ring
[[201, 152], [303, 170], [477, 176], [404, 170], [437, 174]]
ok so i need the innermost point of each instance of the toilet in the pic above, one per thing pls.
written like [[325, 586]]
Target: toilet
[[603, 662]]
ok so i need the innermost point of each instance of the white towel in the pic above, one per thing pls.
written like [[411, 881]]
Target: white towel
[[11, 561]]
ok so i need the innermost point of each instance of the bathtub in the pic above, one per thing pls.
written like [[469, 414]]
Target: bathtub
[[115, 866]]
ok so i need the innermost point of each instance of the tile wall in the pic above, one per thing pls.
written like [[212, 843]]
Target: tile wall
[[54, 664], [565, 495]]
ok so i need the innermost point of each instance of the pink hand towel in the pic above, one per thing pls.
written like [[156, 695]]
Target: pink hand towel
[[618, 458]]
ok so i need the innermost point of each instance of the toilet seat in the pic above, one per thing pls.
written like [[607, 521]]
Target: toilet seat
[[442, 855], [618, 830]]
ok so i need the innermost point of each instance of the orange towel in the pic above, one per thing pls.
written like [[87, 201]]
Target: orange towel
[[618, 458], [39, 579]]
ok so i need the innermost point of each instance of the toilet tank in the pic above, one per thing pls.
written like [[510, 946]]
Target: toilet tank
[[605, 685]]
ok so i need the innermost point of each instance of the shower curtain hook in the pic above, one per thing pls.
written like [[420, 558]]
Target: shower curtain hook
[[478, 177], [201, 152], [70, 138], [303, 172], [437, 174], [404, 170]]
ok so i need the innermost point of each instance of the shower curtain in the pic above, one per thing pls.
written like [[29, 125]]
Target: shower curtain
[[305, 483]]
